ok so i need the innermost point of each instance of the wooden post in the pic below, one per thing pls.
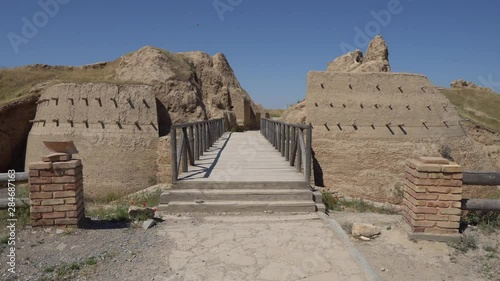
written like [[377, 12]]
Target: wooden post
[[298, 164], [197, 143], [191, 143], [173, 145], [185, 145], [202, 139], [308, 155], [293, 151], [282, 139], [287, 142], [189, 150]]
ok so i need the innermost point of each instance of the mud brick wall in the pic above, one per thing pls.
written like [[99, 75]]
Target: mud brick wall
[[432, 195], [378, 105], [366, 124], [56, 193], [114, 127]]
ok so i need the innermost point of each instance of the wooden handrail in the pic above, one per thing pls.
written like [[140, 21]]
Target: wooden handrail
[[292, 142], [196, 138]]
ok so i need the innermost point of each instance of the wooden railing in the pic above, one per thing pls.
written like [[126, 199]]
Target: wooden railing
[[481, 178], [195, 139], [289, 140]]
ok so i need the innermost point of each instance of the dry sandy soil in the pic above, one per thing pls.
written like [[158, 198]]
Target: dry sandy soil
[[397, 258], [237, 247]]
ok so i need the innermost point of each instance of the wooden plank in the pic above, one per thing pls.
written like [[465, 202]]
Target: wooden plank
[[20, 177], [481, 204], [481, 178]]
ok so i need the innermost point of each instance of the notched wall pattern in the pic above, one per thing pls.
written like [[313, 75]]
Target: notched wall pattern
[[114, 127], [378, 105]]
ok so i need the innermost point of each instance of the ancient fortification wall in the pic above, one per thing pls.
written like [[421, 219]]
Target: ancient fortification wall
[[378, 105], [366, 124], [115, 129]]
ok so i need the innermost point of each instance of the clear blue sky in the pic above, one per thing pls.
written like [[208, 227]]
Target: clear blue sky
[[271, 45]]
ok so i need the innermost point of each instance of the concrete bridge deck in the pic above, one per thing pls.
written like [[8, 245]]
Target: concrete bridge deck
[[242, 157]]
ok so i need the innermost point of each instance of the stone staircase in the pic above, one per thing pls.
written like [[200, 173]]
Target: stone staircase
[[205, 197]]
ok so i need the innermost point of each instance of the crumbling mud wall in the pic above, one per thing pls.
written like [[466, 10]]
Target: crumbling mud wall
[[366, 124], [247, 114], [14, 130], [114, 127]]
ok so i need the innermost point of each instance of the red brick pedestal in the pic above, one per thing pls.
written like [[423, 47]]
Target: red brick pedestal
[[56, 192], [432, 198]]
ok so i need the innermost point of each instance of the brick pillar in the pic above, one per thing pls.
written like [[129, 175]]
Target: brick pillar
[[56, 192], [432, 198]]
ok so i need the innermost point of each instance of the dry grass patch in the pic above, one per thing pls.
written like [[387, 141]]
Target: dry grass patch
[[478, 105]]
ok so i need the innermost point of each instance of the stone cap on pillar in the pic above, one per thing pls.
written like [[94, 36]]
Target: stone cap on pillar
[[56, 157], [59, 151], [434, 165]]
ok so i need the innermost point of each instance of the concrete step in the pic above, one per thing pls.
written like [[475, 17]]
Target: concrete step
[[193, 184], [238, 206], [235, 195], [317, 197]]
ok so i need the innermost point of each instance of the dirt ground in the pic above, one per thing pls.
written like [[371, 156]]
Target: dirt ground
[[395, 257], [237, 247], [224, 247]]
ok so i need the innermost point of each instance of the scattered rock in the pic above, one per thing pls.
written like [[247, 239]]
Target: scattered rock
[[59, 231], [61, 247], [383, 269], [364, 238], [148, 223], [135, 212], [364, 229], [463, 84]]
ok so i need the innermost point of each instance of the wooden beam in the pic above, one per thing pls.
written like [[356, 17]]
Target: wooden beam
[[481, 178], [20, 177], [481, 204]]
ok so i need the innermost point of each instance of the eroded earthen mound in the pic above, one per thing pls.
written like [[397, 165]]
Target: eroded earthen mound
[[375, 60]]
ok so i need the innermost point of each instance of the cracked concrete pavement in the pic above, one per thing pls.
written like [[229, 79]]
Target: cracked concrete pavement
[[272, 247]]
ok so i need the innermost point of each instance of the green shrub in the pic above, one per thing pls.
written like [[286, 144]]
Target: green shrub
[[331, 202], [488, 221], [466, 243], [445, 151]]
